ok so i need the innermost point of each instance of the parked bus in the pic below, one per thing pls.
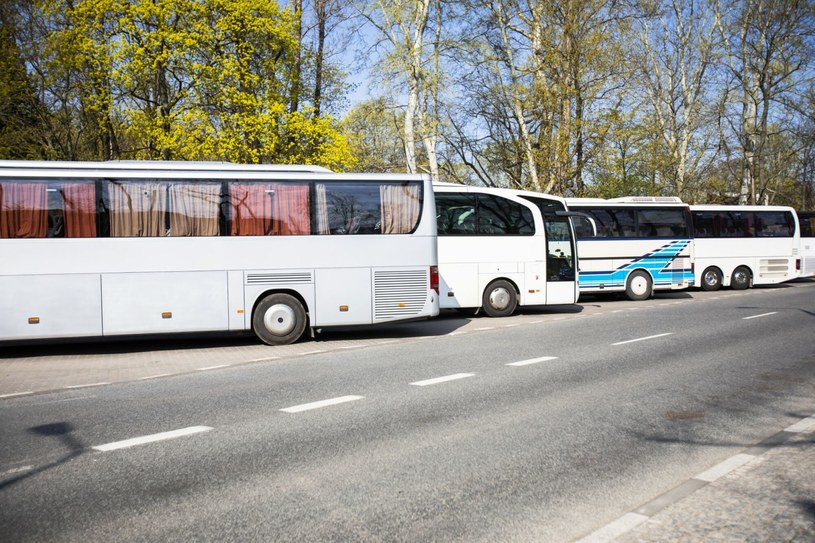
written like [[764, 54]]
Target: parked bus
[[121, 248], [496, 251], [642, 244], [806, 221], [741, 246]]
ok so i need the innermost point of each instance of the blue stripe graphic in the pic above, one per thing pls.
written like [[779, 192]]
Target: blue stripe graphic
[[657, 263]]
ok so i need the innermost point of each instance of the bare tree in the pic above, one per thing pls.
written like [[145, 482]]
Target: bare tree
[[678, 49], [403, 28], [768, 48]]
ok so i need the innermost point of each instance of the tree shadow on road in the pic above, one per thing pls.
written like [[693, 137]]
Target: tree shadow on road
[[64, 432]]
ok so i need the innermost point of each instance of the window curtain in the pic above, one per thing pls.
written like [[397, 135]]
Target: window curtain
[[251, 206], [322, 209], [194, 209], [80, 210], [400, 208], [23, 210], [291, 210], [137, 209]]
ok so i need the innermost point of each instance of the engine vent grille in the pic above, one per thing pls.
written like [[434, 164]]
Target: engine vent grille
[[399, 294], [774, 265]]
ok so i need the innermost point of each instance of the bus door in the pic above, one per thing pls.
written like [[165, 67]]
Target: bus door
[[561, 260]]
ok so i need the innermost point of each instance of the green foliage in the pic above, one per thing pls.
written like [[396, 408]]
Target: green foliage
[[372, 131], [186, 80], [20, 110]]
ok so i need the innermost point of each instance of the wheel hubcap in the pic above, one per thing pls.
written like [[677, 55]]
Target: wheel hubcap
[[710, 279], [740, 277], [499, 298], [639, 285], [279, 319]]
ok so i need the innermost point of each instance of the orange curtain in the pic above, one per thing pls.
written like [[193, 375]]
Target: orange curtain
[[23, 210], [80, 210], [291, 210], [251, 209]]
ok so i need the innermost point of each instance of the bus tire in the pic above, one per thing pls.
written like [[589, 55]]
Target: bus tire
[[500, 299], [741, 278], [279, 319], [711, 279], [639, 286]]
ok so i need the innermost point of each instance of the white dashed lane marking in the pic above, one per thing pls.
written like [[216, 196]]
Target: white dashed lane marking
[[152, 438], [444, 379], [320, 404], [759, 316], [532, 361], [642, 339]]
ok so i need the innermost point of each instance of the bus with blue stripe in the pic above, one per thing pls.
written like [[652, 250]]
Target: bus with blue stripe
[[638, 245]]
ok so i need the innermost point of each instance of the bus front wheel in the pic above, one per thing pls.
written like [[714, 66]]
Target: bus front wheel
[[279, 319], [500, 299], [740, 279], [639, 286], [711, 279]]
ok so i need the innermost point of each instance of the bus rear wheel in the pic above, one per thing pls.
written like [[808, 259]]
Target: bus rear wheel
[[740, 279], [639, 286], [711, 279], [500, 299], [279, 319]]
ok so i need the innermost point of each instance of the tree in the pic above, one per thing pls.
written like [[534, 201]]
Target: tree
[[404, 27], [769, 48], [21, 112], [182, 79], [542, 78], [677, 51], [372, 129]]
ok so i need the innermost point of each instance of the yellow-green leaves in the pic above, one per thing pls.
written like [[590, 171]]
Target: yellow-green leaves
[[190, 80]]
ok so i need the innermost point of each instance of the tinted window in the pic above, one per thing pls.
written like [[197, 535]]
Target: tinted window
[[455, 214], [743, 224], [774, 224], [354, 207], [502, 217], [611, 223], [661, 223]]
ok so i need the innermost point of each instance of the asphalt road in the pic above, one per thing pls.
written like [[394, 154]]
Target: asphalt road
[[542, 430]]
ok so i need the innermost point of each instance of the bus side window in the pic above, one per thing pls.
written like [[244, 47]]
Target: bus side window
[[583, 228], [455, 214], [501, 217]]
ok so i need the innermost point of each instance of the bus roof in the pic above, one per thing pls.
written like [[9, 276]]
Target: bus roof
[[165, 165]]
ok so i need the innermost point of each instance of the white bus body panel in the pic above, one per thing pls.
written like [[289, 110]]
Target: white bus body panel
[[457, 268], [770, 260], [64, 305], [139, 303], [343, 297]]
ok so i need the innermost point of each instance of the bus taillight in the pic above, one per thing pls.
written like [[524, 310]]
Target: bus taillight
[[434, 278], [797, 264]]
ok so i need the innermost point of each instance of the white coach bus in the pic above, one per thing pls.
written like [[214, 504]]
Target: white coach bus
[[498, 252], [742, 246], [121, 248], [641, 244]]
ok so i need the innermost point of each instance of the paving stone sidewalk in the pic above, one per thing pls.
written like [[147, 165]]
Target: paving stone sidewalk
[[771, 498]]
